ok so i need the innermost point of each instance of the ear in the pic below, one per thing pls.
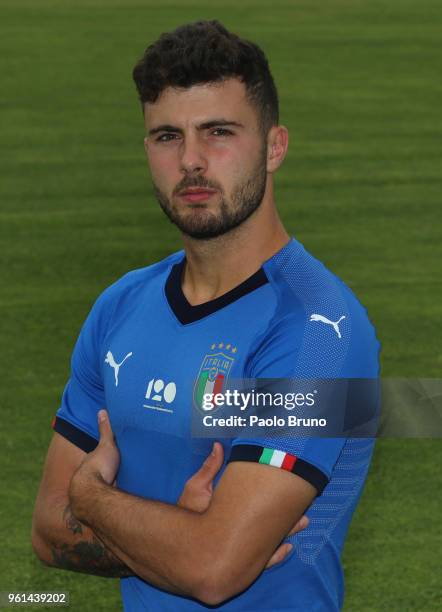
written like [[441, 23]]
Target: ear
[[277, 144]]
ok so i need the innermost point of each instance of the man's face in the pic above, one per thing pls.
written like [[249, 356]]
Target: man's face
[[207, 157]]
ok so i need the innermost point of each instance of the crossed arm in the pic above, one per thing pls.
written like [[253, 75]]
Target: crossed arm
[[210, 555], [59, 539]]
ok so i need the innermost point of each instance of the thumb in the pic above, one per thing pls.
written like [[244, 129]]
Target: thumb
[[106, 433], [211, 465]]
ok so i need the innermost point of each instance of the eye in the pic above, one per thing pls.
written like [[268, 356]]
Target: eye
[[165, 137], [222, 132]]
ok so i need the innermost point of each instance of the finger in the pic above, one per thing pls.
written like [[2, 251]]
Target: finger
[[214, 461], [106, 433], [300, 525], [211, 465], [279, 555]]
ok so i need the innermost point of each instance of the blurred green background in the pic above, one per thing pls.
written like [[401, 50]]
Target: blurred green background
[[360, 89]]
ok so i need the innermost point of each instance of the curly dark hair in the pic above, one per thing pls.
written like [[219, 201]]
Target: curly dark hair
[[206, 52]]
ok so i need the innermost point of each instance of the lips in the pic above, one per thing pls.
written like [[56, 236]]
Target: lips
[[197, 195]]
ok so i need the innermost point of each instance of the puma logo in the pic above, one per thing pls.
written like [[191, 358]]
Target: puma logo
[[113, 364], [334, 324]]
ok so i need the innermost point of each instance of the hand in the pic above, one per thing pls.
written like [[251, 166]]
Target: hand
[[198, 491], [99, 465]]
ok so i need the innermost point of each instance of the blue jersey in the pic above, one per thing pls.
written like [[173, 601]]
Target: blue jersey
[[142, 351]]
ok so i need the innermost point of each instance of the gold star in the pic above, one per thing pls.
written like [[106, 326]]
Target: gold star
[[220, 345], [234, 349], [228, 346], [213, 346]]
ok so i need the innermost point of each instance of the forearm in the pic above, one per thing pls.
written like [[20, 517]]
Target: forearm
[[66, 543], [160, 542]]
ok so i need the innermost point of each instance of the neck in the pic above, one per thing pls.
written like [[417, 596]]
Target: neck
[[217, 265]]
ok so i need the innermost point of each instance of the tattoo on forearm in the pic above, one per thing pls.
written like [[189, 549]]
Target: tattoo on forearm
[[88, 556]]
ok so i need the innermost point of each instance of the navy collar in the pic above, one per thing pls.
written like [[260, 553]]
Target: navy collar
[[186, 313]]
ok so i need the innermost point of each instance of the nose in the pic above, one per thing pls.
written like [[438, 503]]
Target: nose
[[192, 159]]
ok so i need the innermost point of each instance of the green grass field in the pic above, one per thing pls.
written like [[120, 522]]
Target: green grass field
[[360, 90]]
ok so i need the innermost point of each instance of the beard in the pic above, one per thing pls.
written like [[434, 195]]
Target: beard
[[202, 224]]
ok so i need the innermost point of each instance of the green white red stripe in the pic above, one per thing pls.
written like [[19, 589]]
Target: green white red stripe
[[277, 458]]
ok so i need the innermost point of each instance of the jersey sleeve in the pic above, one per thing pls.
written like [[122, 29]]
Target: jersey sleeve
[[83, 396], [297, 347]]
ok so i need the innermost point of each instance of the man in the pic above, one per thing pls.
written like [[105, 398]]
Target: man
[[244, 301]]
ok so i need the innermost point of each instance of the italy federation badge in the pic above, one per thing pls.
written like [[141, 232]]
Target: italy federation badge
[[213, 372]]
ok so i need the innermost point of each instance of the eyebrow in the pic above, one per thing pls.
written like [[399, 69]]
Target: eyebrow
[[203, 126]]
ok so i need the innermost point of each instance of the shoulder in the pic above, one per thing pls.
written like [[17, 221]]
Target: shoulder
[[318, 322], [123, 291], [306, 288]]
